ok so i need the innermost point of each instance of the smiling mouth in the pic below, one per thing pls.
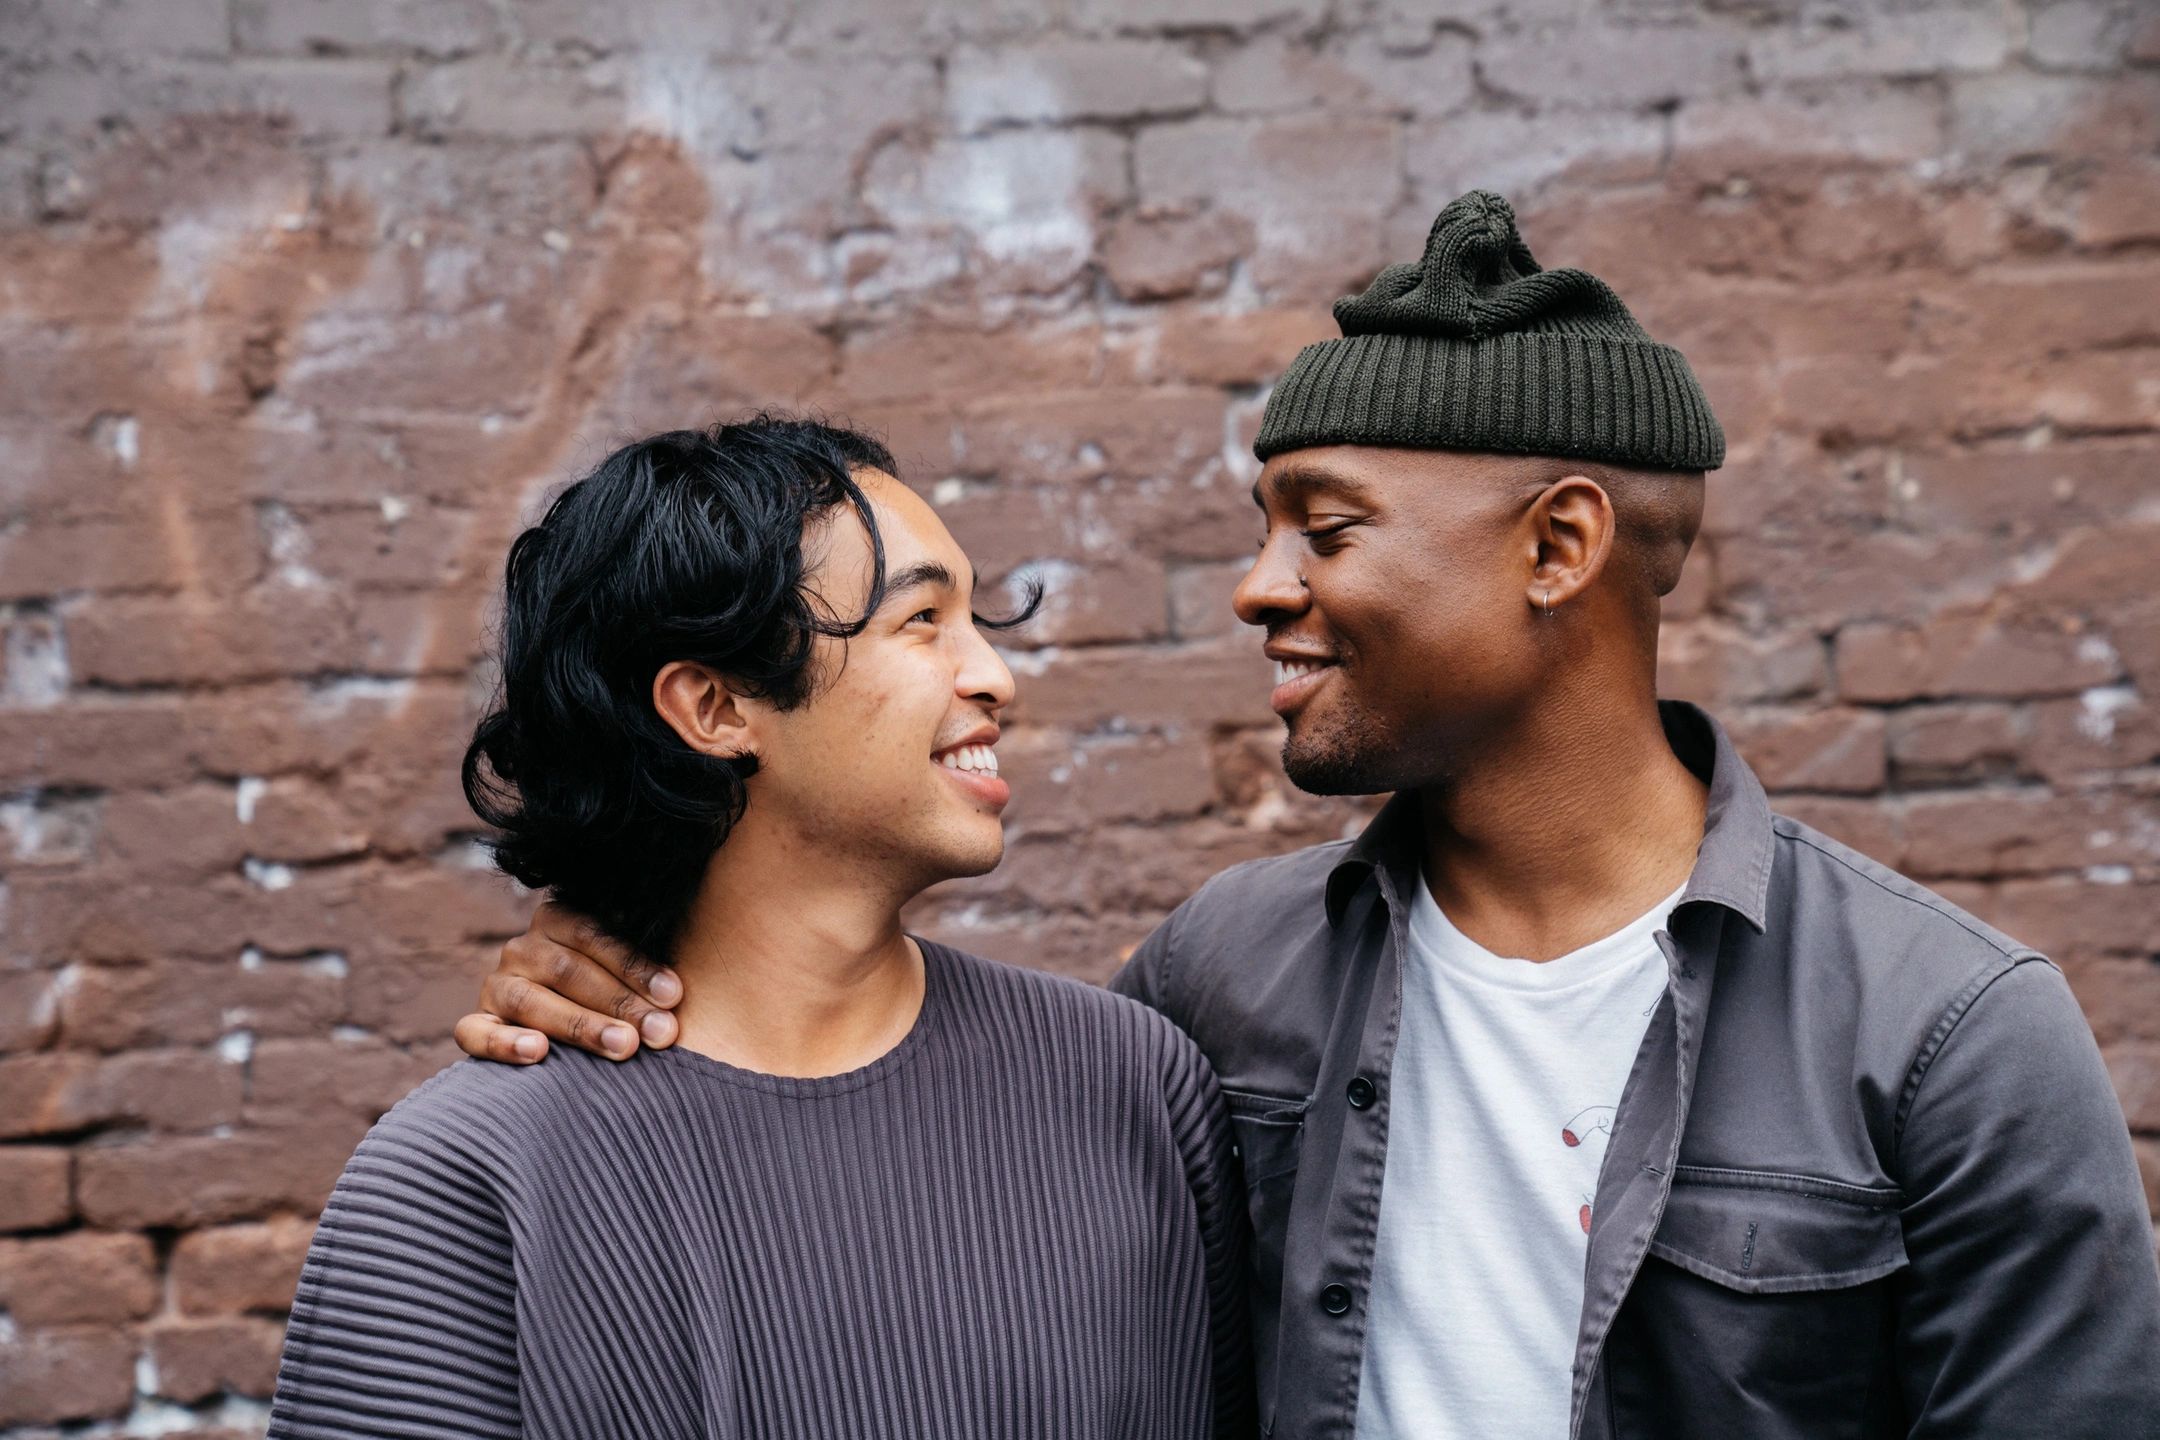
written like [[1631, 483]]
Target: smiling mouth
[[969, 760], [1289, 670]]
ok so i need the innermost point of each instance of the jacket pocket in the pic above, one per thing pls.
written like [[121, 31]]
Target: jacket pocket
[[1764, 1310], [1268, 1130], [1763, 1233]]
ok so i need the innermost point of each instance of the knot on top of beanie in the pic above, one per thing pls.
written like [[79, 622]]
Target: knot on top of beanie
[[1477, 279]]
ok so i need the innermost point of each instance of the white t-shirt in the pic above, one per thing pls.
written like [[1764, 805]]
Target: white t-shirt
[[1505, 1078]]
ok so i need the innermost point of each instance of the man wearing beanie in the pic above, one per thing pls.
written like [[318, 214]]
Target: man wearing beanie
[[1581, 1095]]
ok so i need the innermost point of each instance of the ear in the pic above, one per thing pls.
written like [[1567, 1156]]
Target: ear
[[698, 705], [1572, 524]]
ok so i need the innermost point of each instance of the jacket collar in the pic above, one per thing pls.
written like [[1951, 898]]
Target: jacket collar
[[1732, 868]]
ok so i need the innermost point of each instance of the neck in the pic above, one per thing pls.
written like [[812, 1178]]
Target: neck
[[1572, 824], [790, 967]]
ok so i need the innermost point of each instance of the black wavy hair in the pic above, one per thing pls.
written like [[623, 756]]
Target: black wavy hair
[[683, 546]]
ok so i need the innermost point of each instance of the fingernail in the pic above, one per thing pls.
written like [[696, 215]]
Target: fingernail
[[618, 1039], [655, 1027], [530, 1047], [666, 989]]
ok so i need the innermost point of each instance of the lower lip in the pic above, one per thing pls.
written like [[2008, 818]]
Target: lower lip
[[1293, 693], [987, 788]]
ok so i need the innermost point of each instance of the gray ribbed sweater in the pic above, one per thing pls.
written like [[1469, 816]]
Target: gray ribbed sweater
[[1023, 1222]]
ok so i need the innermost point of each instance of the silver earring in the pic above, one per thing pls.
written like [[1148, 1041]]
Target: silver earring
[[1548, 602]]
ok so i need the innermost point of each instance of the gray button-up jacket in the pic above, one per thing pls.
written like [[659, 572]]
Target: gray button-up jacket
[[1867, 1177]]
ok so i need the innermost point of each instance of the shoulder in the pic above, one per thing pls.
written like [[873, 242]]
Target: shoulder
[[1045, 1008], [1265, 890], [1256, 904], [1909, 961], [476, 1116], [1903, 921]]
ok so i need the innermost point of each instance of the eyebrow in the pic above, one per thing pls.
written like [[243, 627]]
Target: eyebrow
[[1304, 481], [922, 573]]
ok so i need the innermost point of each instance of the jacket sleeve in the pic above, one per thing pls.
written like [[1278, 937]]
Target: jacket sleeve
[[2031, 1306], [1201, 1123], [1146, 976], [405, 1321]]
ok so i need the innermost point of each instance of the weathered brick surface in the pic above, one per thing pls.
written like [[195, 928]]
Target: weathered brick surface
[[304, 303]]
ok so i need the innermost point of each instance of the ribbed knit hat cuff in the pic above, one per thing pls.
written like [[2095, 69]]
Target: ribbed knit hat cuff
[[1593, 397]]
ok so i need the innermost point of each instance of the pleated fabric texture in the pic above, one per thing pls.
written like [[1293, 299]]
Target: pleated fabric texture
[[1021, 1222]]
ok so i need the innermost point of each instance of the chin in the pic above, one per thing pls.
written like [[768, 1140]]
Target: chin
[[1345, 759]]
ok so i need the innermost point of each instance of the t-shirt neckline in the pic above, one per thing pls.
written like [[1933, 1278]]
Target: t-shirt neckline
[[1437, 938], [936, 961]]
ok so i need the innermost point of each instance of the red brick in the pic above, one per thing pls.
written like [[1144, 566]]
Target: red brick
[[178, 1090], [294, 1080], [75, 1373], [1970, 655], [2134, 1066], [1164, 256], [1823, 750], [83, 1277], [1937, 744], [1717, 665], [1308, 187], [33, 1187], [231, 1269], [197, 1359], [186, 1181], [2120, 995], [198, 1003], [1069, 79], [2064, 915], [1996, 831]]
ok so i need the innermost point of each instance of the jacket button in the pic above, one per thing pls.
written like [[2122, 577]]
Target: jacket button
[[1362, 1093], [1335, 1299]]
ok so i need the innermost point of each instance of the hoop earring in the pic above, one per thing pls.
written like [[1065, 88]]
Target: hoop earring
[[1548, 602]]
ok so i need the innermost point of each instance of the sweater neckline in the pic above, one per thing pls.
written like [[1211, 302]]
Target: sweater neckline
[[936, 982]]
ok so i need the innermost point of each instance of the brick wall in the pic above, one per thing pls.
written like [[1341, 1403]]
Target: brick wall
[[303, 302]]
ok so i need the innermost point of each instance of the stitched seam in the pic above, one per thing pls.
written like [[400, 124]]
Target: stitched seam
[[1827, 1279], [2013, 953], [1779, 1183], [1959, 1007]]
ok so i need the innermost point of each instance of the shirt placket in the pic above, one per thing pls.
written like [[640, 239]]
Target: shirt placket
[[1335, 1210], [1644, 1146]]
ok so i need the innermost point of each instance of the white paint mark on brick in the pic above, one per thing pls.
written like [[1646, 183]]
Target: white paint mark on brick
[[267, 873], [36, 673], [2098, 707], [289, 546], [237, 1047], [250, 958], [249, 790], [2108, 874], [395, 508]]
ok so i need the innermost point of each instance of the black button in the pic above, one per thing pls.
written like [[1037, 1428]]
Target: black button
[[1362, 1093], [1335, 1299]]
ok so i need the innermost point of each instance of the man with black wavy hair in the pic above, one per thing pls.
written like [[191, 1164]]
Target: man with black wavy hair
[[747, 713], [1581, 1095]]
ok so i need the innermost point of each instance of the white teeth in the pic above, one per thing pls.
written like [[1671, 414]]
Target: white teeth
[[1288, 670], [977, 759]]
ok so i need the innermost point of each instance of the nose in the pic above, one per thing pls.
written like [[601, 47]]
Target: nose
[[1271, 591], [983, 676]]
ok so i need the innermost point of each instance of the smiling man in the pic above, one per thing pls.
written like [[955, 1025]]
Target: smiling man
[[1582, 1095], [878, 1187]]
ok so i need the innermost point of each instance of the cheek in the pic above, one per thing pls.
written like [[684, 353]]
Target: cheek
[[1425, 628]]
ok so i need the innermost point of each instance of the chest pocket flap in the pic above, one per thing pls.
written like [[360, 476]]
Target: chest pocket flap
[[1769, 1234]]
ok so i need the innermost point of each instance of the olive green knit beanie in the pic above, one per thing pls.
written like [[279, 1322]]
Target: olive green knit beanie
[[1476, 348]]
